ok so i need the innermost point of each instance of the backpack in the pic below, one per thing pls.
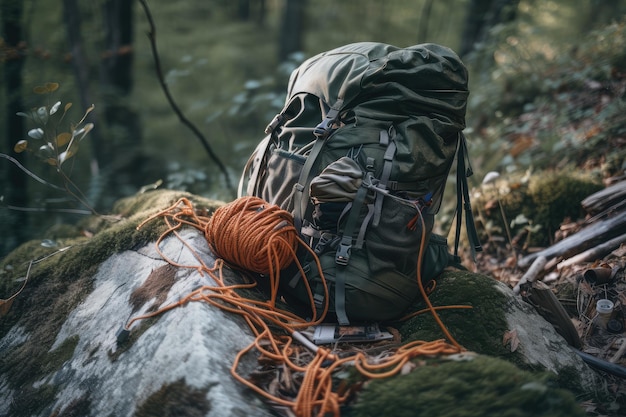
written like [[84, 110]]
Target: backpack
[[360, 155]]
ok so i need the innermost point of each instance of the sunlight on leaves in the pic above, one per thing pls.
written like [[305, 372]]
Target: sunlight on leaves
[[46, 88], [36, 133], [45, 151], [64, 156], [55, 107], [42, 115], [20, 146], [62, 139]]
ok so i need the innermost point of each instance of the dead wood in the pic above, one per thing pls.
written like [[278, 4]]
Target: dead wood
[[586, 238], [549, 307], [594, 253], [606, 198], [532, 273]]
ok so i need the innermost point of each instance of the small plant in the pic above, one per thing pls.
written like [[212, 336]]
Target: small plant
[[51, 143]]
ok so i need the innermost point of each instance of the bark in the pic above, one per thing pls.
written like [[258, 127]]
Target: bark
[[606, 198], [597, 252], [549, 307]]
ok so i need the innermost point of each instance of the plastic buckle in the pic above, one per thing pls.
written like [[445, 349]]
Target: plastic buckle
[[343, 254], [274, 123], [322, 129]]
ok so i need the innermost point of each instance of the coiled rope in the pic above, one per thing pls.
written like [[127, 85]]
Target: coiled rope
[[254, 235]]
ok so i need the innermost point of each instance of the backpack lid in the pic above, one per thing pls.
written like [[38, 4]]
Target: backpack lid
[[426, 79]]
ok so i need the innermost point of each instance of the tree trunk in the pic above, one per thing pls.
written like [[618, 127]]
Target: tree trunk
[[14, 225], [117, 61], [292, 29], [482, 16], [72, 20], [123, 171]]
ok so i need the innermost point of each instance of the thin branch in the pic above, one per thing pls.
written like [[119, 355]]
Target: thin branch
[[30, 173], [152, 36]]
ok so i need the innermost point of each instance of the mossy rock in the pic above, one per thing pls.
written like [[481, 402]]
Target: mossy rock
[[470, 386], [59, 278], [52, 337], [545, 199], [501, 325]]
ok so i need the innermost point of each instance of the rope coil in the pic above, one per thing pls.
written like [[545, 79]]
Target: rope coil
[[254, 235]]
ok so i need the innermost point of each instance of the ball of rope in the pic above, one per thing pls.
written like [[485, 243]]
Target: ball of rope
[[254, 235]]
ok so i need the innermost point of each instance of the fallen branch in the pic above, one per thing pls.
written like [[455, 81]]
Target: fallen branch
[[594, 253], [531, 275], [550, 308], [605, 198], [583, 240]]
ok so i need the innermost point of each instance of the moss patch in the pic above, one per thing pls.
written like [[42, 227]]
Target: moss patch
[[479, 329], [60, 280], [175, 399], [480, 387]]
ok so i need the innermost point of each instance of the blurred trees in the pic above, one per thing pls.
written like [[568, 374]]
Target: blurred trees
[[227, 63], [14, 182], [292, 28]]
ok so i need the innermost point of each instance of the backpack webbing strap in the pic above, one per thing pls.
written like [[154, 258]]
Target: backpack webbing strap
[[301, 188], [253, 167], [342, 257], [386, 139], [463, 201]]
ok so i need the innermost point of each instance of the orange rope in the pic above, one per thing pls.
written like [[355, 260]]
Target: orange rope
[[254, 235]]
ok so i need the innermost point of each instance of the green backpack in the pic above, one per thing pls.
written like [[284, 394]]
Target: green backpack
[[361, 150]]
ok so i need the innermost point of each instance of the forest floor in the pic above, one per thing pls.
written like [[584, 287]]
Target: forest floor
[[589, 123]]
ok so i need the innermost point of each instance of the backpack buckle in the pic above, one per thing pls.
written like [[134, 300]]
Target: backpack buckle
[[322, 129], [277, 120], [343, 254]]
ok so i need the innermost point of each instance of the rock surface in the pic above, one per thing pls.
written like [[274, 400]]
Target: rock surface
[[60, 355]]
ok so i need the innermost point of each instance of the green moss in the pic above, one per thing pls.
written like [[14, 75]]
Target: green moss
[[175, 399], [546, 199], [60, 280], [557, 196], [479, 329], [481, 387]]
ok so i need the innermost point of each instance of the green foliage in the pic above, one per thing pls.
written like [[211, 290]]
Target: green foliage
[[52, 145], [538, 103]]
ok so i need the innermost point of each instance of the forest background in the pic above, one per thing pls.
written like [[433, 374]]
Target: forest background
[[226, 65]]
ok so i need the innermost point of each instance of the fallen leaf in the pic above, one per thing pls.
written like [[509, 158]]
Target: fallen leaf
[[510, 337]]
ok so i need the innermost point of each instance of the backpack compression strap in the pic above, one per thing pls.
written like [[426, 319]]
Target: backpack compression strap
[[301, 189], [463, 200]]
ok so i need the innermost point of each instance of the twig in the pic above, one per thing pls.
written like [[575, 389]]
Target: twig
[[152, 36], [531, 274], [30, 173]]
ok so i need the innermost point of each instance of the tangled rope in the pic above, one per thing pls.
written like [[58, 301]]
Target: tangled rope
[[251, 234]]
